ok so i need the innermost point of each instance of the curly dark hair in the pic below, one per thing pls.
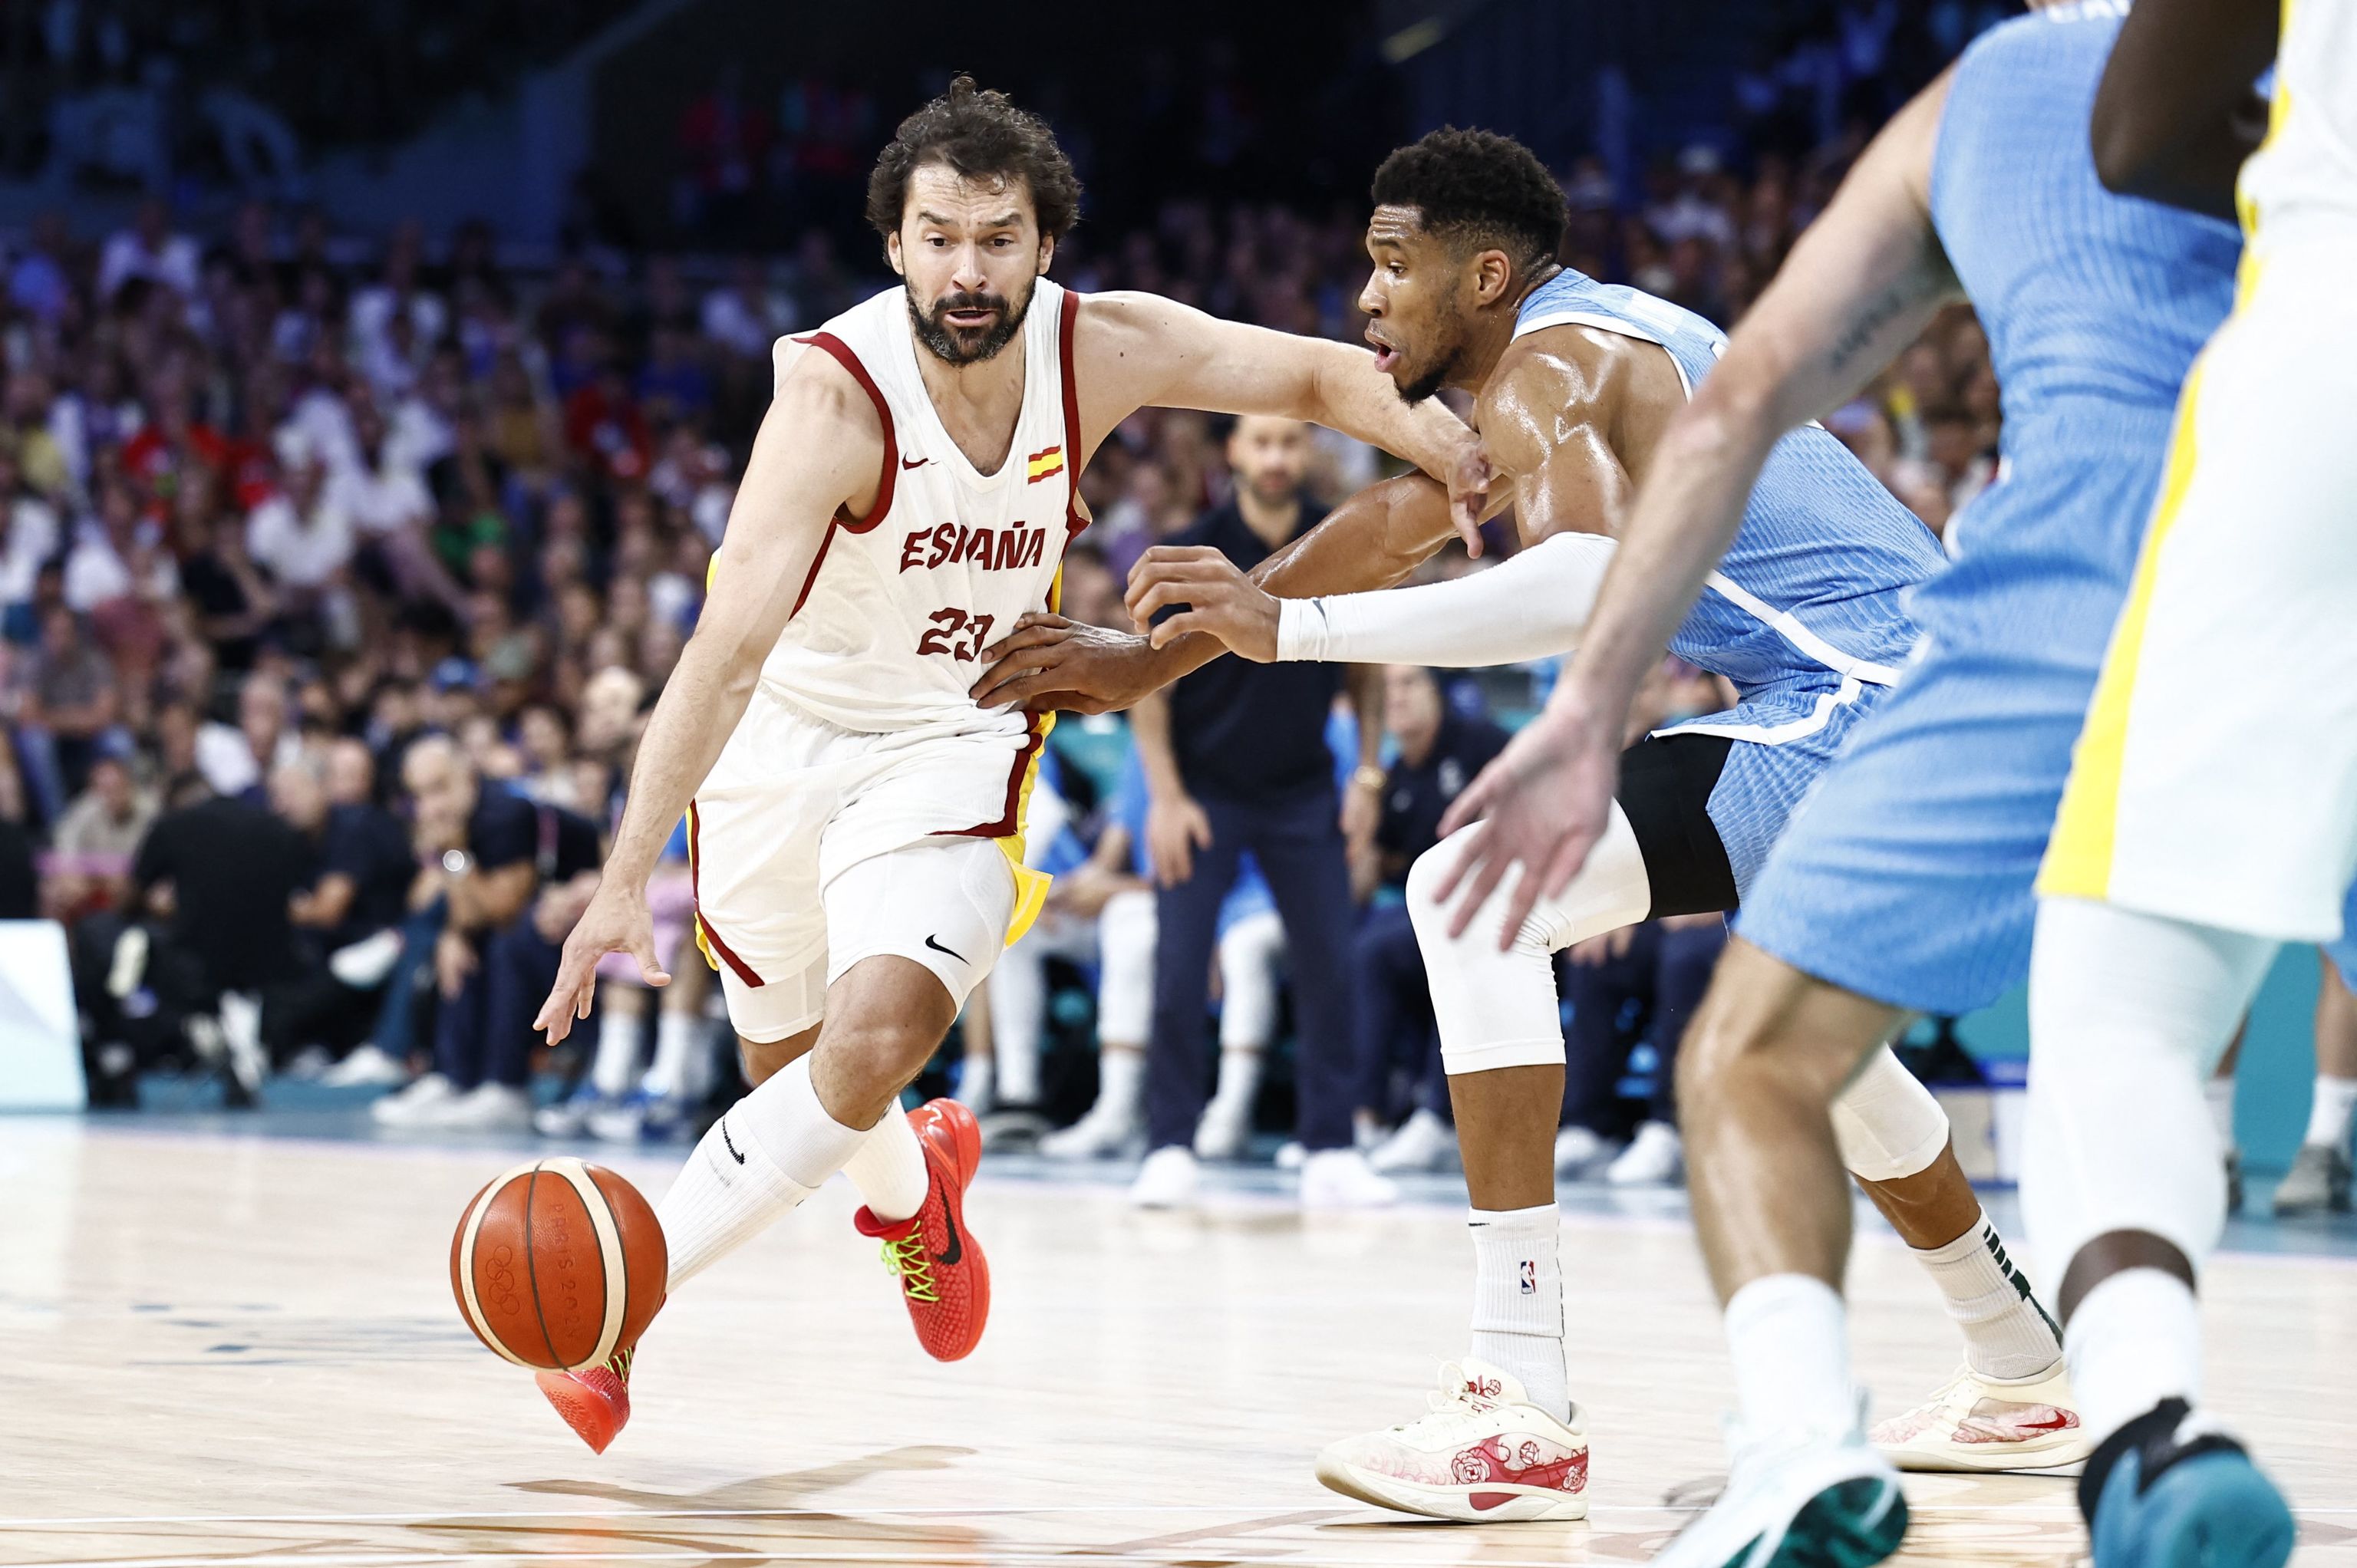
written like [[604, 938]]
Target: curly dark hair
[[980, 135], [1478, 187]]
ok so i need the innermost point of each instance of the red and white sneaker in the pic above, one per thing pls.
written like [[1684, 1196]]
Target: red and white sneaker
[[595, 1402], [1484, 1452], [1989, 1423], [945, 1278]]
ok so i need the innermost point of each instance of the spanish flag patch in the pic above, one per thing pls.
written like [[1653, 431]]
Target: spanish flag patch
[[1045, 465]]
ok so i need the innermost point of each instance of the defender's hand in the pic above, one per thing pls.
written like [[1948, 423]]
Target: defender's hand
[[1542, 804], [1049, 664], [1220, 600], [615, 921], [1469, 478]]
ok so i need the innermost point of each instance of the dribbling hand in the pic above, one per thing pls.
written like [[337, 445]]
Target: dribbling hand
[[1051, 664], [617, 920], [1212, 596]]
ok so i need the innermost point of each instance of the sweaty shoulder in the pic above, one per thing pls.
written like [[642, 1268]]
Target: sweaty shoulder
[[1559, 380]]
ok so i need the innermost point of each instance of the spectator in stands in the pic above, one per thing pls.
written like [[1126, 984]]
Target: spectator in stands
[[151, 251], [1440, 751], [28, 541], [91, 847], [69, 703], [345, 916], [493, 962], [1235, 760]]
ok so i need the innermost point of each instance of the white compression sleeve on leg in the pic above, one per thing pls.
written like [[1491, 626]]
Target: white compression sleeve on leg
[[2127, 1014], [1531, 607], [1498, 1009], [1887, 1123]]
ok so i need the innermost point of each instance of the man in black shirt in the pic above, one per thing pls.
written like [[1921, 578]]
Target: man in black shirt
[[362, 868], [498, 853], [1236, 759], [1440, 752]]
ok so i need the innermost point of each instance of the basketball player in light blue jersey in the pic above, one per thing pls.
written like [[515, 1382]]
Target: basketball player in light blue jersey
[[1574, 382], [1905, 885]]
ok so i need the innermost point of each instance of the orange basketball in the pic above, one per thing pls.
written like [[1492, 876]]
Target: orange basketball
[[558, 1264]]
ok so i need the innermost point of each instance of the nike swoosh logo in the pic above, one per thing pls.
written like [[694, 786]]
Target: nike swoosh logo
[[729, 1142], [914, 462], [950, 1259], [938, 947], [2061, 1421]]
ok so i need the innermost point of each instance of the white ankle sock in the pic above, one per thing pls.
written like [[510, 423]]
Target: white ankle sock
[[617, 1061], [973, 1081], [676, 1069], [1018, 1072], [2328, 1116], [1518, 1300], [2134, 1341], [1239, 1077], [2006, 1332], [889, 1168], [2218, 1093], [1120, 1079], [1789, 1339], [772, 1149]]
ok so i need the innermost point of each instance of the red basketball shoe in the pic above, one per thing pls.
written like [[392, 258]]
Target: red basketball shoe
[[945, 1278], [595, 1402]]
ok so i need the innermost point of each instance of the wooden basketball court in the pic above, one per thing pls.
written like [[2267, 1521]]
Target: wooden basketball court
[[224, 1351]]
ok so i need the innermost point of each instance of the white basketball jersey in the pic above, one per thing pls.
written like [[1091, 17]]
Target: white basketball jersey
[[2302, 182], [890, 625]]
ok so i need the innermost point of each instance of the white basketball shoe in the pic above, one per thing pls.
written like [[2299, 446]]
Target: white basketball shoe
[[1482, 1452], [1977, 1423], [1797, 1496]]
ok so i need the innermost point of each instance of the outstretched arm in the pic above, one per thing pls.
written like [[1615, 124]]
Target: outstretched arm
[[1863, 282], [2175, 115], [817, 450], [1372, 541], [1141, 350]]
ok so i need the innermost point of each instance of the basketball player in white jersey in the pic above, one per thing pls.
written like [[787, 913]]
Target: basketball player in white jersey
[[854, 817]]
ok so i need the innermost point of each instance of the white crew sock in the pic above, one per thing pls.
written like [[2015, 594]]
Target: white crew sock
[[2006, 1334], [1518, 1300], [2134, 1341], [678, 1069], [1018, 1063], [889, 1168], [617, 1061], [1120, 1081], [1789, 1335], [772, 1149], [1239, 1075], [2218, 1093], [2328, 1116], [973, 1081]]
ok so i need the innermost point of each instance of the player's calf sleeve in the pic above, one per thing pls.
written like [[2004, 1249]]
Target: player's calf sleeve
[[2128, 1014], [1498, 1009]]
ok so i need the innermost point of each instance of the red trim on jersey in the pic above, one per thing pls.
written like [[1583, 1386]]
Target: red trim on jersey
[[1035, 736], [695, 859], [1067, 316], [850, 362], [817, 560]]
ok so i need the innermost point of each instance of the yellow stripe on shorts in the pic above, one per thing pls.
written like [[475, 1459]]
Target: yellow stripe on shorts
[[2079, 855]]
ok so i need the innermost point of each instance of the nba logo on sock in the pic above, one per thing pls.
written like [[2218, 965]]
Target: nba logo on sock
[[1530, 1277]]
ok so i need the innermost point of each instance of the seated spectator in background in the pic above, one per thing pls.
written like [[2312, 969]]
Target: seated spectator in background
[[299, 535], [493, 962], [92, 848], [1639, 982], [149, 250], [20, 889], [28, 541], [345, 916], [69, 703], [219, 875], [233, 602], [237, 759], [1440, 751]]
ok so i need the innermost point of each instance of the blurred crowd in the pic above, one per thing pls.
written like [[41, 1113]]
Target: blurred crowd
[[270, 516]]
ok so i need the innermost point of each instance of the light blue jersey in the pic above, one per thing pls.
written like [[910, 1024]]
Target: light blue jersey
[[1908, 878], [1806, 615]]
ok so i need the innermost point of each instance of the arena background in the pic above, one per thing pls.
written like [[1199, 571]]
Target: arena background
[[623, 165]]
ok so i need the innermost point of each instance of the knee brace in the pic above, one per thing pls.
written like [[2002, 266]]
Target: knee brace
[[1887, 1123]]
